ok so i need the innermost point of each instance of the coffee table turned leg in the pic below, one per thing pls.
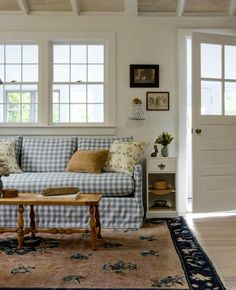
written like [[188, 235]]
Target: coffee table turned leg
[[98, 224], [92, 224], [32, 221], [20, 230]]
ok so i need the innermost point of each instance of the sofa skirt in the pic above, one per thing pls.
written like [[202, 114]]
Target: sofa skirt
[[114, 213]]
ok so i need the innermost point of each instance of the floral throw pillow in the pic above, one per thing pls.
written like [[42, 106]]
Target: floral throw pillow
[[123, 156], [7, 153]]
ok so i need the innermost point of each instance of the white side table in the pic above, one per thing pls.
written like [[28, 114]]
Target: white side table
[[161, 168]]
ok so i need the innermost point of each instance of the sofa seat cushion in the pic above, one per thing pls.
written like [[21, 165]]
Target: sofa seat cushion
[[109, 184]]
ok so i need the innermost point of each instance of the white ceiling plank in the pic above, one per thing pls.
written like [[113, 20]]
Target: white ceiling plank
[[75, 7], [180, 7], [232, 7], [24, 6], [131, 7]]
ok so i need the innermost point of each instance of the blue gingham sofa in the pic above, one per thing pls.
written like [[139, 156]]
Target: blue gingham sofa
[[43, 161]]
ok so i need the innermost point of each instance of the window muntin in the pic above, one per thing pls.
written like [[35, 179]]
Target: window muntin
[[78, 83], [19, 91]]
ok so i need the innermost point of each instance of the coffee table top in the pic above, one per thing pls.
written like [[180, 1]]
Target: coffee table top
[[37, 199]]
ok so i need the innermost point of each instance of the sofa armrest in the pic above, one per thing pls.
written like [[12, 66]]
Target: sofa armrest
[[138, 181]]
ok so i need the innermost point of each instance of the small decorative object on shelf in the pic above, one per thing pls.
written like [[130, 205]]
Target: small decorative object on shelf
[[154, 154], [164, 139], [4, 171], [137, 112]]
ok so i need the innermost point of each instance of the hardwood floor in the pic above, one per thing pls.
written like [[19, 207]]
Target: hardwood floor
[[217, 236]]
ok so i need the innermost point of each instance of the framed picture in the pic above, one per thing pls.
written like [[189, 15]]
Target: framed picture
[[157, 101], [144, 75]]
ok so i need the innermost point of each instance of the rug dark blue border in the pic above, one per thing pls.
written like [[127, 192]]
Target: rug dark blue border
[[199, 271]]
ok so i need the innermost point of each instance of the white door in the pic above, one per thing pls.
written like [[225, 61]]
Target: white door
[[214, 122]]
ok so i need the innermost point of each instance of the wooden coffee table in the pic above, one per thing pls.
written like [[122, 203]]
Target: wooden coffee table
[[32, 199]]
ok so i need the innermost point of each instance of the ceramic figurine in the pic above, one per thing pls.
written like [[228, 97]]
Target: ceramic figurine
[[154, 154]]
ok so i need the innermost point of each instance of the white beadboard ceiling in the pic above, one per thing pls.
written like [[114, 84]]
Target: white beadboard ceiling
[[180, 8]]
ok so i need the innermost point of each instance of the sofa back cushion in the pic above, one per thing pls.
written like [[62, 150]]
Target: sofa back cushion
[[18, 141], [99, 143], [46, 154]]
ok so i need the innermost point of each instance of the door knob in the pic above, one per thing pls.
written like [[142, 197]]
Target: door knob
[[198, 131]]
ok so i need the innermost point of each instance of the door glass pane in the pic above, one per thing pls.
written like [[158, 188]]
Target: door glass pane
[[78, 113], [78, 54], [230, 98], [78, 73], [95, 94], [13, 53], [211, 60], [95, 73], [61, 73], [211, 98], [30, 73], [230, 62], [13, 73], [95, 54], [61, 53], [30, 54], [78, 94], [95, 113]]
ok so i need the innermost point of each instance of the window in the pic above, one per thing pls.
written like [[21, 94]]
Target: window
[[218, 79], [57, 82], [78, 83], [19, 91]]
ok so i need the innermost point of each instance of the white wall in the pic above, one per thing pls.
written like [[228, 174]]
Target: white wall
[[140, 40]]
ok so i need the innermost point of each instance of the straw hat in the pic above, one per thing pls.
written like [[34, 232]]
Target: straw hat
[[160, 184]]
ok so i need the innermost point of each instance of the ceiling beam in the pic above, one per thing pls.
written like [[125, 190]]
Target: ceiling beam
[[24, 6], [75, 7], [131, 7], [180, 7], [232, 7]]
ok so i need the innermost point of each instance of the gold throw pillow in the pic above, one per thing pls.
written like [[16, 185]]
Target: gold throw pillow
[[87, 161]]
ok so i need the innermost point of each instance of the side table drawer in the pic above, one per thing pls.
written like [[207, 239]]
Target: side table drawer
[[161, 165]]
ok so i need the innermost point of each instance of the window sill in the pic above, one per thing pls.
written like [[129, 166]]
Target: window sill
[[57, 130]]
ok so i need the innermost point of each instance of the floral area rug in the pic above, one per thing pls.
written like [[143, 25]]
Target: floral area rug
[[163, 254]]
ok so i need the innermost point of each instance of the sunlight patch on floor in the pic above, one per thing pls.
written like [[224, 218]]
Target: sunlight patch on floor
[[211, 214]]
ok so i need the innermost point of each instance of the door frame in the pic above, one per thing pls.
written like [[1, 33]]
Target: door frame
[[181, 71]]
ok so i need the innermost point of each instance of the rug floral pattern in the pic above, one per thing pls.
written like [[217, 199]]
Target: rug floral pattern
[[163, 254]]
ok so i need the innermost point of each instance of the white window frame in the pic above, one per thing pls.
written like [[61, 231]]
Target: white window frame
[[88, 42], [18, 83], [45, 125]]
